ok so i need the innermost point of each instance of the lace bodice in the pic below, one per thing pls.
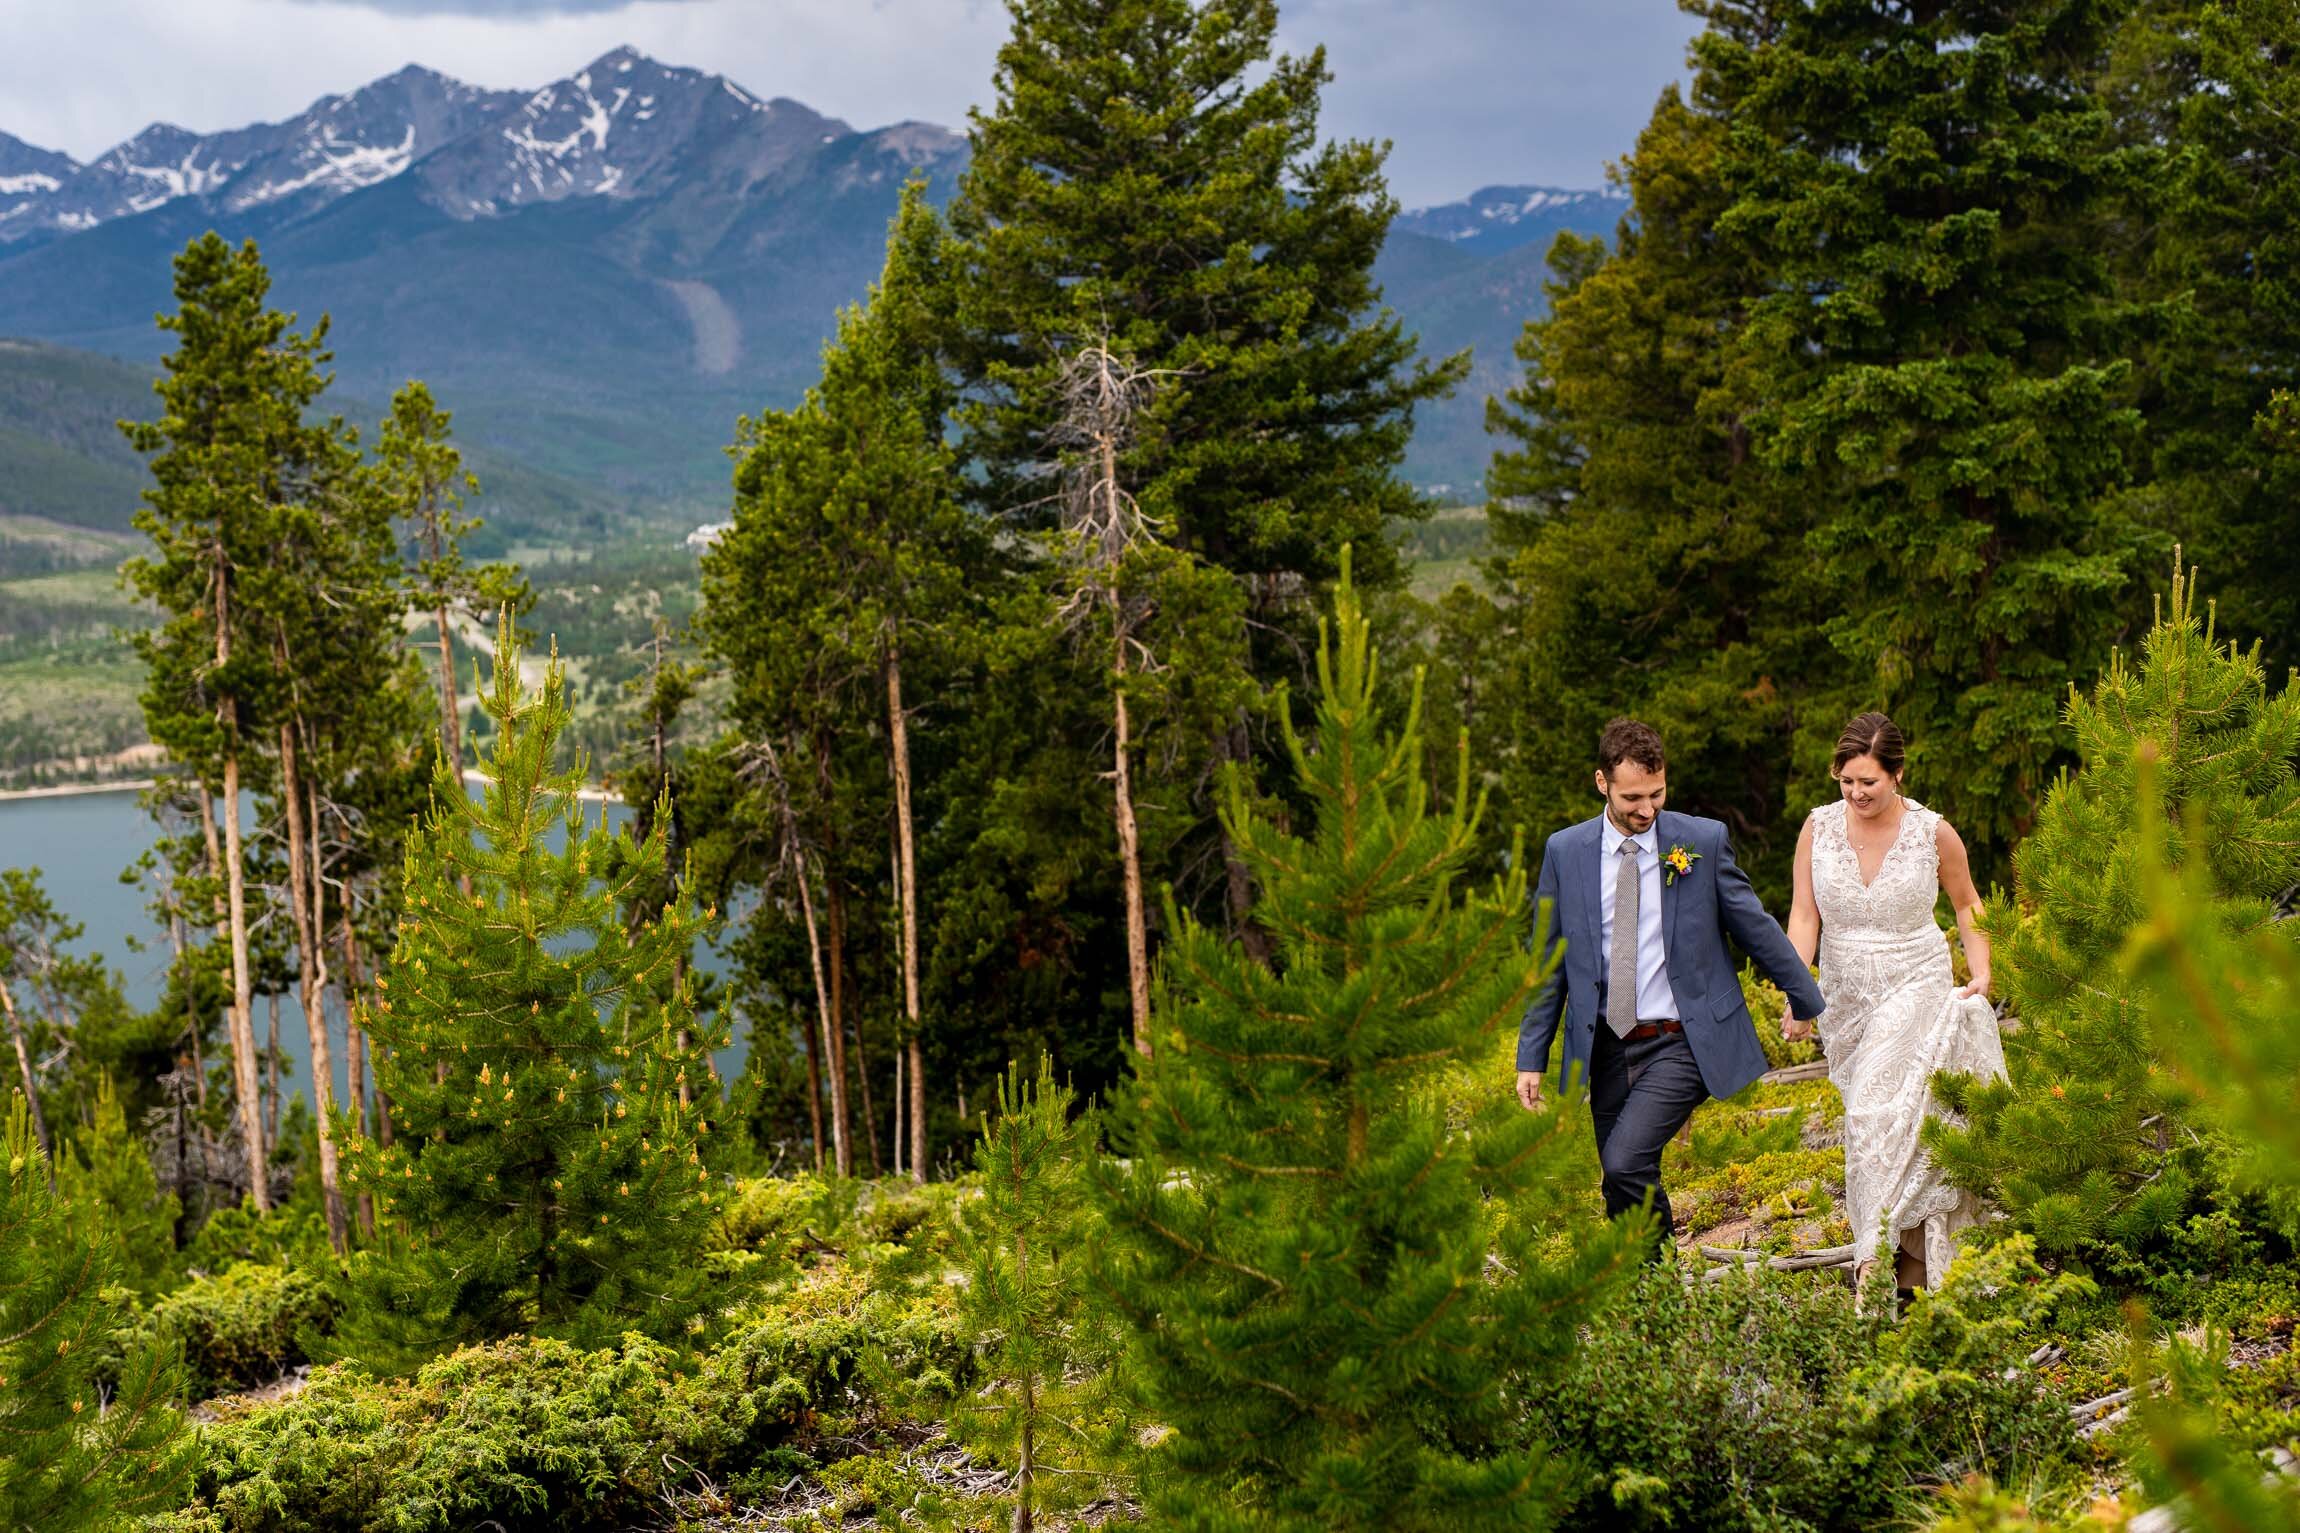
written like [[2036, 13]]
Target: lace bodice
[[1899, 902], [1893, 1019]]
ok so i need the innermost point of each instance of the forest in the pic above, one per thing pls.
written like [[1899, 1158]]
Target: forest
[[1112, 846]]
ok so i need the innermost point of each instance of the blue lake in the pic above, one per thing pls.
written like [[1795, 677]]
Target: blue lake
[[81, 845]]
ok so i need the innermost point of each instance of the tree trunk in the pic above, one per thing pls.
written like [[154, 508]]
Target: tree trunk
[[842, 1120], [305, 891], [1130, 861], [819, 1037], [236, 901], [450, 707], [272, 1069], [355, 1067], [243, 996], [1025, 1461], [868, 1117], [899, 734], [900, 1116], [24, 1066], [355, 981], [826, 1009]]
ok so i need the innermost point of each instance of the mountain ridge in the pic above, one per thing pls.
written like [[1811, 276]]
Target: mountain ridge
[[602, 274]]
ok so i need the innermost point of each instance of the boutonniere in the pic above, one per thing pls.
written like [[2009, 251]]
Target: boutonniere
[[1678, 861]]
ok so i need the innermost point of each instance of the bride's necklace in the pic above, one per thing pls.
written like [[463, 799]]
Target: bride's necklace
[[1887, 844]]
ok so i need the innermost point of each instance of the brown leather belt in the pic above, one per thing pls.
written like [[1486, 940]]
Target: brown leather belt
[[1645, 1030]]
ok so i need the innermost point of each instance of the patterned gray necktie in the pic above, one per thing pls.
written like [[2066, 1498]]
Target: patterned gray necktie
[[1621, 967]]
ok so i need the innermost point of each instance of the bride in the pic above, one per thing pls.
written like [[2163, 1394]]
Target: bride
[[1870, 869]]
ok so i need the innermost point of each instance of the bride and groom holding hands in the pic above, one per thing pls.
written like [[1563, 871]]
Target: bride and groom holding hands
[[1649, 996]]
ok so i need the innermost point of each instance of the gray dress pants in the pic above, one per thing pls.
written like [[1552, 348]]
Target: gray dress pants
[[1641, 1092]]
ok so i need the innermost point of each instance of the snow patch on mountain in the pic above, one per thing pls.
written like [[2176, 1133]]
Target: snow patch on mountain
[[1496, 218]]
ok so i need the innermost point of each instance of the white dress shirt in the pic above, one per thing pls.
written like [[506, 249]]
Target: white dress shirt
[[1655, 1001]]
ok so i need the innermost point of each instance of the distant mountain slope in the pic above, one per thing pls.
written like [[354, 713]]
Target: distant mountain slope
[[601, 275], [1494, 219], [62, 457]]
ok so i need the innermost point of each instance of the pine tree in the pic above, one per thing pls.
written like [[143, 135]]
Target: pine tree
[[1151, 177], [1047, 1349], [330, 598], [545, 1175], [1640, 527], [424, 478], [70, 1457], [233, 452], [2207, 100], [110, 1192], [1337, 1296], [2085, 1145], [1926, 189], [849, 580]]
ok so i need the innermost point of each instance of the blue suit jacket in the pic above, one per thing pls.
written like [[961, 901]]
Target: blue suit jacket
[[1698, 910]]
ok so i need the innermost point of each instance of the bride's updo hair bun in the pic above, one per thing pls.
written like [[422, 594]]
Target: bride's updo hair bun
[[1875, 736]]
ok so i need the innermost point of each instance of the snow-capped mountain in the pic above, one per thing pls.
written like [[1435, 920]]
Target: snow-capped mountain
[[623, 126], [29, 173], [1497, 218], [339, 145], [371, 134], [602, 274]]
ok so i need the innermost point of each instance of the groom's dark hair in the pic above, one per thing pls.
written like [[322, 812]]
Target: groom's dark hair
[[1628, 740]]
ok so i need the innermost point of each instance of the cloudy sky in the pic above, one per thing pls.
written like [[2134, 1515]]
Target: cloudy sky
[[1472, 92]]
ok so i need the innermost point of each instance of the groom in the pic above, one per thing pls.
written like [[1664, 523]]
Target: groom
[[1654, 1020]]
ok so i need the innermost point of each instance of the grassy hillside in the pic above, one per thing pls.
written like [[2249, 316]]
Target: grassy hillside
[[63, 460], [68, 681]]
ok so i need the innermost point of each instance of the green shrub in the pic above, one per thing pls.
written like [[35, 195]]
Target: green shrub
[[240, 1327], [536, 1433], [1767, 1403], [231, 1236]]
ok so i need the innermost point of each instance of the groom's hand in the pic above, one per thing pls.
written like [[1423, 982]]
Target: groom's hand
[[1529, 1090], [1796, 1029]]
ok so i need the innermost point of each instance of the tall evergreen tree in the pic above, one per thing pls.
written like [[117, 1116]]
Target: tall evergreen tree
[[1654, 564], [1925, 189], [546, 1175], [2084, 1145], [331, 602], [852, 499], [1338, 1297], [233, 450], [72, 1458], [1151, 177], [2207, 99]]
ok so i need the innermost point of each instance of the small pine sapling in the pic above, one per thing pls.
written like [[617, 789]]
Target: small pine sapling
[[2083, 1146], [547, 1172], [1047, 1349], [1338, 1297], [110, 1185], [73, 1454]]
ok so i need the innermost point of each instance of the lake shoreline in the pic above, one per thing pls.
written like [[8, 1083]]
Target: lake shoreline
[[74, 789], [587, 794]]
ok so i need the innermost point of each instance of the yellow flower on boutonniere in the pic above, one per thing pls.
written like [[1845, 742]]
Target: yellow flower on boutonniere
[[1678, 861]]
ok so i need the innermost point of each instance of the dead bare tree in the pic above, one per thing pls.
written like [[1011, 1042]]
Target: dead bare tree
[[1103, 530]]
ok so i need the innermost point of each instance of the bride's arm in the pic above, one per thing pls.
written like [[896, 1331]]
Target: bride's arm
[[1804, 915], [1804, 924], [1965, 900]]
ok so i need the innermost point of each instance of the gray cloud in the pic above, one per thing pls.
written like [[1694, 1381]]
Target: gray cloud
[[497, 8], [1471, 92]]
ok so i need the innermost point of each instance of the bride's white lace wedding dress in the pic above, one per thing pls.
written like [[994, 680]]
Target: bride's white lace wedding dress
[[1894, 1018]]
